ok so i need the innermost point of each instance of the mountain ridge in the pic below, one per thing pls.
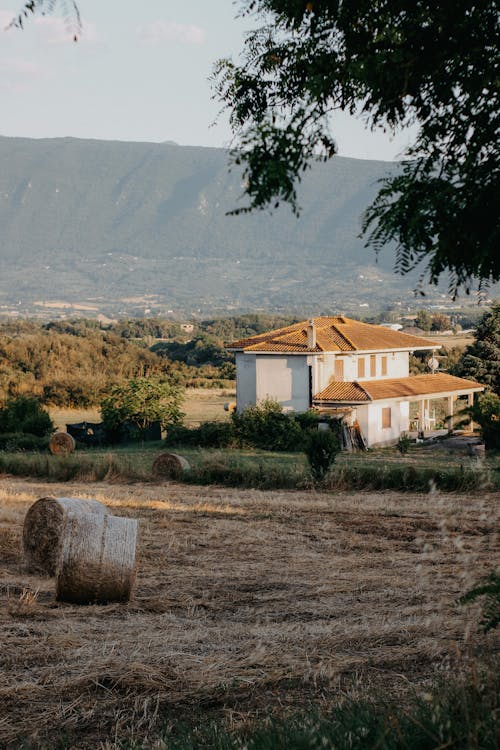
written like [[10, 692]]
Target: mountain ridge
[[106, 220]]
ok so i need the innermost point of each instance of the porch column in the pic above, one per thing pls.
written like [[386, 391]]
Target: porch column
[[451, 402], [421, 416], [470, 402]]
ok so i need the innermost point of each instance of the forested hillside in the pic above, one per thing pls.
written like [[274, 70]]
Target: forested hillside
[[76, 363]]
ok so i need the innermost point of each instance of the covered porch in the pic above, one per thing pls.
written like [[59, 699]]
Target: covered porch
[[381, 408], [426, 416]]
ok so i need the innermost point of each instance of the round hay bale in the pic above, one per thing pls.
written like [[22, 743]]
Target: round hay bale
[[61, 444], [169, 466], [96, 563], [43, 526]]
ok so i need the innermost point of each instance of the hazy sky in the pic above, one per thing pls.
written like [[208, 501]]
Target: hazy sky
[[139, 73]]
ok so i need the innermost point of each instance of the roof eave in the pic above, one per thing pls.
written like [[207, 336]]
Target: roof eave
[[336, 402], [339, 352]]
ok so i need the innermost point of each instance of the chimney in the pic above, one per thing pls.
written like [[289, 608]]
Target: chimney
[[311, 335]]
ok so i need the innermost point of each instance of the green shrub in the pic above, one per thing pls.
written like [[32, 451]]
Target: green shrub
[[207, 435], [486, 412], [25, 414], [266, 426], [489, 590], [404, 443], [19, 441], [321, 449]]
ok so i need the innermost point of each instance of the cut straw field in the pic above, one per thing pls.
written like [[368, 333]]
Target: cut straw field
[[246, 603], [199, 405]]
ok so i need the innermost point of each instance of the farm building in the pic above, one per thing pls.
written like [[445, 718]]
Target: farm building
[[353, 370]]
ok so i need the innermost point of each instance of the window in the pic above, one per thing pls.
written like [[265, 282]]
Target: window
[[339, 369], [383, 362], [386, 417], [373, 365], [361, 367]]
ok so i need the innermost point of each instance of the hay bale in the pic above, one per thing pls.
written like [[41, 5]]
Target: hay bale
[[61, 444], [96, 563], [169, 466], [43, 525]]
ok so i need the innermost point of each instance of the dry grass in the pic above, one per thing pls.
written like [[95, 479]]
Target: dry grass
[[449, 341], [206, 405], [245, 601]]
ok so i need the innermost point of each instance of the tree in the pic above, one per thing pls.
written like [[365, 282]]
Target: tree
[[394, 62], [321, 450], [481, 360], [140, 402], [25, 414], [440, 322], [69, 9], [423, 320]]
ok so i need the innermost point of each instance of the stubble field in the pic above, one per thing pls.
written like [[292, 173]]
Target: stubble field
[[246, 603]]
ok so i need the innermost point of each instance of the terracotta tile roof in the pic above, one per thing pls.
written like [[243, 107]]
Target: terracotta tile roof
[[414, 385], [333, 334], [343, 391]]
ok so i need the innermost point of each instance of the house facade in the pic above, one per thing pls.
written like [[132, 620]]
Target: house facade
[[345, 368]]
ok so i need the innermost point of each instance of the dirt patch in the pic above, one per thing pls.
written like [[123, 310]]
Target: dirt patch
[[244, 600]]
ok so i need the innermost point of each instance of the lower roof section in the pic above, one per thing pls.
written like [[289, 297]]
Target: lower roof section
[[414, 386]]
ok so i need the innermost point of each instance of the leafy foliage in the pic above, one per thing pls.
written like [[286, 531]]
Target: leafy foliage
[[404, 443], [486, 412], [204, 349], [69, 9], [266, 426], [423, 320], [481, 360], [25, 415], [141, 402], [321, 449], [76, 362], [394, 63], [263, 426], [207, 435], [489, 590], [440, 322], [15, 441]]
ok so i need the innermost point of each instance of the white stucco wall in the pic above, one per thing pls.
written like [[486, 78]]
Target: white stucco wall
[[397, 367], [245, 380], [284, 379], [370, 421]]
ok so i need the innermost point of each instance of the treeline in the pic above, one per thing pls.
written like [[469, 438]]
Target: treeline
[[77, 362]]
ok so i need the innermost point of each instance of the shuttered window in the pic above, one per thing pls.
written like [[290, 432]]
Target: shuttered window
[[361, 367], [383, 362], [386, 417], [339, 369], [373, 365]]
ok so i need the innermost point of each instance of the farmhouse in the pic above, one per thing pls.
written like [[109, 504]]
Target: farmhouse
[[353, 370]]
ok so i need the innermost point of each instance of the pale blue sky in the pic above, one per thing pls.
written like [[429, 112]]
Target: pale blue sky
[[139, 73]]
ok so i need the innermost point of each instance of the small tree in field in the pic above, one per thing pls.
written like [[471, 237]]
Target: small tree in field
[[141, 402], [423, 320], [321, 449], [440, 322]]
